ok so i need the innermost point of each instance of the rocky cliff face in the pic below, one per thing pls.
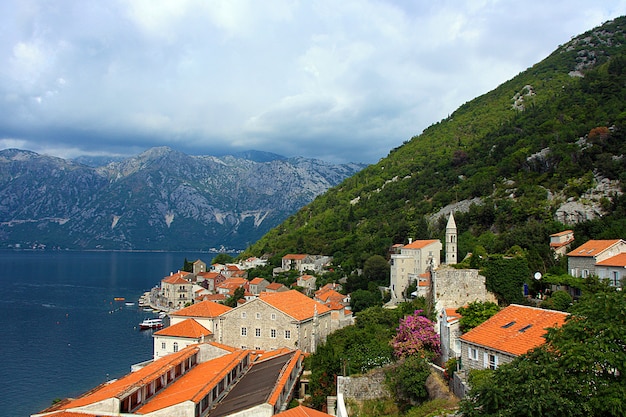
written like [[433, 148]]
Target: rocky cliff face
[[160, 199]]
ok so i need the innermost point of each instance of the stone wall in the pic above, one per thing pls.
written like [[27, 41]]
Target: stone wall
[[365, 387], [454, 288]]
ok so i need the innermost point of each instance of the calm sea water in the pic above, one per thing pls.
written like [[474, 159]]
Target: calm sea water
[[62, 332]]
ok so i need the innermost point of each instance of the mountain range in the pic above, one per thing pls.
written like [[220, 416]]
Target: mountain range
[[159, 200], [542, 152]]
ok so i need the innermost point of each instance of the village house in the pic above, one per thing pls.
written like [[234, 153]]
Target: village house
[[178, 336], [512, 331], [560, 242], [307, 282], [276, 287], [206, 313], [450, 334], [229, 286], [253, 262], [177, 290], [582, 261], [210, 280], [258, 285], [285, 319], [303, 263], [193, 381], [613, 269], [412, 260], [328, 295], [198, 267]]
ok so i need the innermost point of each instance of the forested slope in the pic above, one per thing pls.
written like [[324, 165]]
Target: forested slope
[[518, 153]]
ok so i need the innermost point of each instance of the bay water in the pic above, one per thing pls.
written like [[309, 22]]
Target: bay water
[[62, 331]]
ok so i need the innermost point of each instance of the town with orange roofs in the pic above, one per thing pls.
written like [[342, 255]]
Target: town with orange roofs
[[212, 359]]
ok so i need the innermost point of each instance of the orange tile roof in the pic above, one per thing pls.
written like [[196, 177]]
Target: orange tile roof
[[517, 338], [133, 380], [301, 411], [294, 304], [274, 286], [295, 256], [452, 314], [329, 295], [202, 309], [563, 233], [617, 260], [213, 297], [187, 328], [593, 247], [209, 275], [176, 278], [419, 244], [195, 384], [257, 280]]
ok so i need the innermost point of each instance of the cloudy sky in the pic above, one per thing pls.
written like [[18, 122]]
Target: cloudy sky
[[339, 80]]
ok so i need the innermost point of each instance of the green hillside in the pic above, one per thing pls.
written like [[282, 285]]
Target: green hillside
[[545, 137]]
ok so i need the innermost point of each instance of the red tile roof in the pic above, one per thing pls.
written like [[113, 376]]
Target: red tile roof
[[195, 384], [133, 380], [563, 233], [177, 278], [593, 247], [187, 328], [256, 281], [617, 260], [419, 244], [301, 411], [205, 308], [508, 330], [274, 286], [295, 256], [294, 304]]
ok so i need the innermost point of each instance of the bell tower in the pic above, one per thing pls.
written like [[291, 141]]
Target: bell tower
[[451, 242]]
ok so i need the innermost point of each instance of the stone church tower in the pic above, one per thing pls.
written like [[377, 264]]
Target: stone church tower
[[451, 242]]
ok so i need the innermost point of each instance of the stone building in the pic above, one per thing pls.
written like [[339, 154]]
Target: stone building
[[582, 261], [284, 319], [177, 290], [511, 332], [409, 262]]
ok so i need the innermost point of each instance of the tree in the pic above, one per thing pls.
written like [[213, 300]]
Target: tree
[[238, 295], [222, 258], [476, 313], [416, 336], [407, 380], [376, 269], [362, 299], [559, 300], [187, 266], [580, 371]]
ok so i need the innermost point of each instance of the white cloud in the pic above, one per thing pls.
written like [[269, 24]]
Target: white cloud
[[348, 80]]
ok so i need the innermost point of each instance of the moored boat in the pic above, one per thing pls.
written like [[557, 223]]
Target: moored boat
[[151, 324]]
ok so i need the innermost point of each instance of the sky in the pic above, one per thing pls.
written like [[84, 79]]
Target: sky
[[341, 81]]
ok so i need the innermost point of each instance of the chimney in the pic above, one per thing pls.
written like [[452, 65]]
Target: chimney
[[410, 240]]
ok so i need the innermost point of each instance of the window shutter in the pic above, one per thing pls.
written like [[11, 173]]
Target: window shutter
[[485, 360]]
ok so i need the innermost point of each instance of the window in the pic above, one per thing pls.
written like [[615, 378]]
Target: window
[[287, 334], [243, 314], [257, 332], [472, 353], [493, 361], [273, 333], [244, 331], [615, 280], [163, 345], [258, 316], [273, 316], [585, 273], [175, 346]]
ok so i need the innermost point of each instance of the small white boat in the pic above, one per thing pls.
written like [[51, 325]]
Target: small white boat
[[129, 304], [151, 324]]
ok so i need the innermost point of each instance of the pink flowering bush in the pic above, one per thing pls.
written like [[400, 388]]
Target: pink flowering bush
[[416, 336]]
